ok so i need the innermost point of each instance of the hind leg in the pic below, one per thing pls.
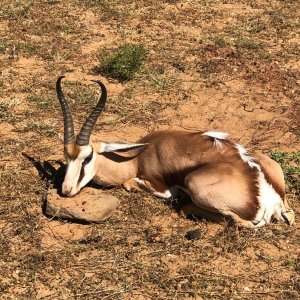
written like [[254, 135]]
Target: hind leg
[[192, 209], [219, 190]]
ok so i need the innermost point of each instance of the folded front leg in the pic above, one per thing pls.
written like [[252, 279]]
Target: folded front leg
[[154, 187]]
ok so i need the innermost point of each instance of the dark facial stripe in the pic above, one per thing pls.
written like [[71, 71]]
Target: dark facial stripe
[[87, 159], [81, 175], [84, 163]]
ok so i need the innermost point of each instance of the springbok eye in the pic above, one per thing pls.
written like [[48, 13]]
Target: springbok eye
[[88, 159]]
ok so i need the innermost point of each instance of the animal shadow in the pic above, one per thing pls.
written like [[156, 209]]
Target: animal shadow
[[47, 172]]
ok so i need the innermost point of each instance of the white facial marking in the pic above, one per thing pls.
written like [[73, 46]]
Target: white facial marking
[[247, 158], [217, 136], [71, 185], [71, 177]]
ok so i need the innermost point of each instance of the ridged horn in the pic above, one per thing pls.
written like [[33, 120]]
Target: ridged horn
[[86, 129], [69, 135]]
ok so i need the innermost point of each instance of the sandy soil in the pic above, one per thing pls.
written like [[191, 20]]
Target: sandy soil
[[224, 65]]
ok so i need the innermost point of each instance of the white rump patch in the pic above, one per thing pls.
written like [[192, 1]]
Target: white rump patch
[[271, 205], [247, 158], [217, 136]]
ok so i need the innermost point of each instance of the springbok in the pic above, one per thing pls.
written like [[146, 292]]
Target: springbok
[[220, 176]]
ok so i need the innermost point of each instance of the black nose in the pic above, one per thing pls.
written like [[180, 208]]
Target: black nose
[[66, 191]]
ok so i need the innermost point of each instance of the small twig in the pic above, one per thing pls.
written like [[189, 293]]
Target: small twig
[[270, 271], [231, 276], [90, 293], [102, 291], [263, 292], [47, 296], [128, 115], [54, 216], [117, 293], [154, 252], [188, 128], [76, 266], [249, 110]]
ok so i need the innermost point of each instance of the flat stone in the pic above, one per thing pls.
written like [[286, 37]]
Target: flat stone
[[90, 205]]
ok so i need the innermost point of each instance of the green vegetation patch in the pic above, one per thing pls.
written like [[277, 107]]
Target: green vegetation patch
[[42, 128], [29, 48], [15, 9], [95, 2], [290, 163], [3, 110], [41, 101], [3, 46], [6, 110], [247, 44], [219, 41], [122, 63]]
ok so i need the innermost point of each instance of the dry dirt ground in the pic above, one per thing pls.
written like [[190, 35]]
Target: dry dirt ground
[[227, 65]]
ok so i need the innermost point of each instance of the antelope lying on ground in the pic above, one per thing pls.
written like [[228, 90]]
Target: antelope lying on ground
[[219, 175]]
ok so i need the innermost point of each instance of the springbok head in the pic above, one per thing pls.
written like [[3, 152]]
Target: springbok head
[[81, 155]]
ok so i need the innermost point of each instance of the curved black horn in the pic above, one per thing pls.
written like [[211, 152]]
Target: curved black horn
[[86, 129], [69, 135]]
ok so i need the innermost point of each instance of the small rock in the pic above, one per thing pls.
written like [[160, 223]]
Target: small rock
[[193, 235], [90, 205]]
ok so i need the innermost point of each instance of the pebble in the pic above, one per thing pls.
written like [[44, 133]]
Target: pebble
[[193, 234]]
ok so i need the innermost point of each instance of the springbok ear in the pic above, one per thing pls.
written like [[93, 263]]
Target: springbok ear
[[120, 147]]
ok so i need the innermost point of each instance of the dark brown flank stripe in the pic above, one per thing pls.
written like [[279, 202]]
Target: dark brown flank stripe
[[84, 163], [254, 205]]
